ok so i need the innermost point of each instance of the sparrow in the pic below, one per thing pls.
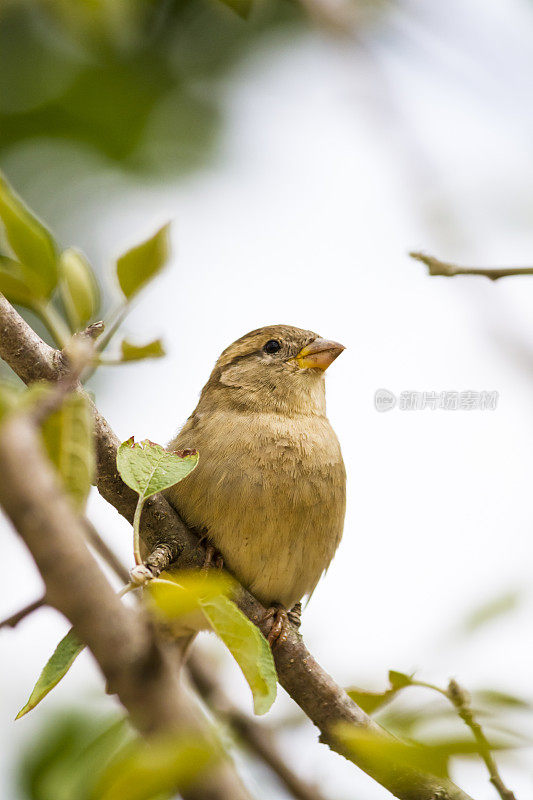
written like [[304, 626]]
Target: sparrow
[[269, 491]]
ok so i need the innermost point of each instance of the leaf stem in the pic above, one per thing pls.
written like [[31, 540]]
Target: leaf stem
[[116, 318], [136, 525], [54, 322], [129, 587]]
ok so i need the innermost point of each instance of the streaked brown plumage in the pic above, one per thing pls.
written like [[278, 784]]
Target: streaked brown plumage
[[269, 489]]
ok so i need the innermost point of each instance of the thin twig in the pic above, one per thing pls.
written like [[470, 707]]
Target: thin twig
[[14, 619], [444, 268], [112, 325], [105, 552], [460, 699]]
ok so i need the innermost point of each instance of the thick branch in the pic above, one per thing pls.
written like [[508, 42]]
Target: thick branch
[[167, 539], [123, 642], [444, 268]]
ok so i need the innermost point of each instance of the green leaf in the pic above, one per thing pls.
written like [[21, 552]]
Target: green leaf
[[13, 283], [133, 352], [429, 758], [30, 241], [78, 288], [187, 592], [389, 753], [241, 7], [9, 397], [140, 264], [493, 697], [248, 647], [496, 607], [399, 680], [55, 668], [69, 441], [370, 701], [148, 769], [176, 594], [148, 468], [68, 752]]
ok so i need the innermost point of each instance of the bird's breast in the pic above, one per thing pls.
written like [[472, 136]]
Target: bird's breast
[[271, 492]]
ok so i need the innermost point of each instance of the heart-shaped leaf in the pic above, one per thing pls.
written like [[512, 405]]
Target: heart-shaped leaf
[[140, 264], [55, 668], [148, 468]]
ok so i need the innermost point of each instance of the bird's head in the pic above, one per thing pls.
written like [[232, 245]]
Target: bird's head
[[277, 367]]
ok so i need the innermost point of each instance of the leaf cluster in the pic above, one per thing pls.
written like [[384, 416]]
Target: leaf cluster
[[61, 286]]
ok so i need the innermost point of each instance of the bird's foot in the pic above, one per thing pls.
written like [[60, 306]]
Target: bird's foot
[[212, 556], [281, 624], [295, 615]]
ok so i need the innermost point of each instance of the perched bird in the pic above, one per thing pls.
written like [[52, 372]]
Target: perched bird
[[269, 490]]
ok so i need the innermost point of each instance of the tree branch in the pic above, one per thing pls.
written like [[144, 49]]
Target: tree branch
[[14, 619], [137, 668], [444, 268], [167, 539]]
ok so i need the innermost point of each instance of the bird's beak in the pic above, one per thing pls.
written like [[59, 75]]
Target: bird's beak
[[319, 354]]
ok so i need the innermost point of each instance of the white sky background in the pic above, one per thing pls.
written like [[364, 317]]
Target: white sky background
[[335, 163]]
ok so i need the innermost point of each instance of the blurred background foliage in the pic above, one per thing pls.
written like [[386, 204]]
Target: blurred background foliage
[[69, 754], [135, 81]]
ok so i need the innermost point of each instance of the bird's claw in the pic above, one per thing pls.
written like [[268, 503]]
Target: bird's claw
[[212, 558], [295, 615], [281, 624]]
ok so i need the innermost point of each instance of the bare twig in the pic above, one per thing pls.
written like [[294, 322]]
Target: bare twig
[[14, 619], [444, 268], [105, 552], [168, 540]]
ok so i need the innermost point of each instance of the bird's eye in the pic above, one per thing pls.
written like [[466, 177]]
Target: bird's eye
[[272, 346]]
